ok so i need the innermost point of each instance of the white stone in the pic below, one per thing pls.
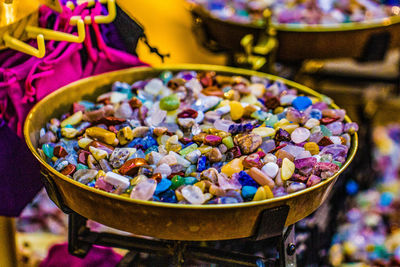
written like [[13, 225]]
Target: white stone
[[270, 169], [117, 180], [193, 194]]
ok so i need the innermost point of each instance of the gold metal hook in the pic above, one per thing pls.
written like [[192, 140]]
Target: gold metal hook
[[18, 45]]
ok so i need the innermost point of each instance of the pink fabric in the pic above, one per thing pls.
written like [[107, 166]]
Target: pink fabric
[[97, 257], [106, 58]]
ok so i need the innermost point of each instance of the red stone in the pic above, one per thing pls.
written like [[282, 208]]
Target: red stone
[[82, 156], [60, 152], [69, 169], [77, 107], [176, 173], [110, 120], [131, 167], [261, 153], [327, 120], [272, 102], [135, 103], [235, 151], [252, 160], [185, 140], [325, 141], [212, 140], [188, 113], [112, 128], [277, 148]]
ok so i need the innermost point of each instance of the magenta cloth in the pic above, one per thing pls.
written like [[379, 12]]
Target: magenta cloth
[[19, 182], [97, 257]]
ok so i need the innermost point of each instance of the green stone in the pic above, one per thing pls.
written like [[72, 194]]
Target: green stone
[[48, 150], [337, 163], [166, 76], [190, 180], [325, 131], [188, 149], [228, 141], [81, 167], [259, 115], [177, 181], [169, 103], [190, 170], [271, 120]]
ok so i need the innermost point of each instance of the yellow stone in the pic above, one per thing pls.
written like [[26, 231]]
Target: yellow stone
[[278, 110], [257, 89], [138, 179], [264, 131], [178, 195], [237, 110], [287, 169], [263, 192], [84, 142], [101, 134], [312, 147], [232, 95], [100, 173], [69, 132], [201, 185], [54, 159], [349, 248], [172, 144], [250, 99], [281, 123], [125, 135], [205, 149], [290, 127], [232, 167], [97, 153], [223, 134], [73, 119], [223, 103]]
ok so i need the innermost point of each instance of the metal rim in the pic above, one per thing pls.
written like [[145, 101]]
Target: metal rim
[[234, 71], [302, 27]]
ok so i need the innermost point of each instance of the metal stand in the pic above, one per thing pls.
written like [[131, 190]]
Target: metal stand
[[81, 239]]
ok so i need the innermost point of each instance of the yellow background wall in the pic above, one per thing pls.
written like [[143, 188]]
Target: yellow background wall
[[168, 26]]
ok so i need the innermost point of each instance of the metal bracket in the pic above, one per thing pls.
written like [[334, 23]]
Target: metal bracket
[[53, 193]]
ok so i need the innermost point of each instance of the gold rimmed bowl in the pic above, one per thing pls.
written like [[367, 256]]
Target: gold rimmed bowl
[[298, 42], [165, 220]]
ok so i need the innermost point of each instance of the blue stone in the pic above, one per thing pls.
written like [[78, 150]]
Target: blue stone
[[148, 141], [92, 183], [248, 192], [227, 200], [351, 187], [81, 166], [246, 180], [386, 199], [190, 180], [48, 150], [316, 114], [150, 149], [87, 104], [301, 102], [168, 196], [201, 163], [162, 186]]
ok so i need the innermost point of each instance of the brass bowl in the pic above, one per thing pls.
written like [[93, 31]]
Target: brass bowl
[[165, 220], [298, 42]]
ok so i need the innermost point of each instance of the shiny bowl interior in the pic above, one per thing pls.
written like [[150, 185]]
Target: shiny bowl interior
[[165, 220]]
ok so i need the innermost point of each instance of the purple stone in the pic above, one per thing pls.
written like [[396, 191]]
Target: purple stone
[[316, 137], [325, 169], [279, 191], [282, 135], [335, 127], [320, 105], [268, 146], [350, 127], [313, 180], [336, 150], [139, 84], [305, 162], [305, 165]]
